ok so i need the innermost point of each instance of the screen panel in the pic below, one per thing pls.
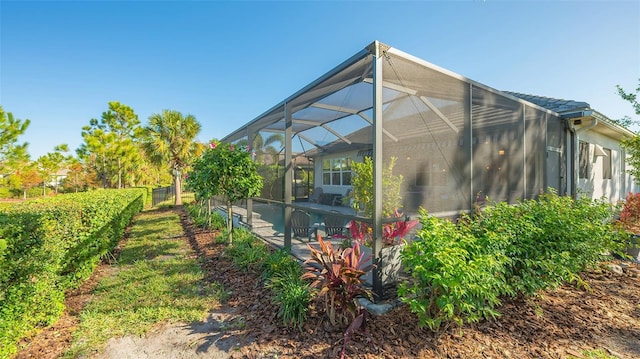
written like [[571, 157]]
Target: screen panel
[[426, 133], [498, 146]]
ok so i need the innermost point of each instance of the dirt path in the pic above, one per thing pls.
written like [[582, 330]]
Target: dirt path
[[181, 341]]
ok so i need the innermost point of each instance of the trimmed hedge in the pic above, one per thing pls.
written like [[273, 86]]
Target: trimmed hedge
[[50, 245], [148, 197]]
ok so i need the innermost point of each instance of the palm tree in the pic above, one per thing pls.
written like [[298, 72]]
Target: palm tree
[[263, 147], [169, 138]]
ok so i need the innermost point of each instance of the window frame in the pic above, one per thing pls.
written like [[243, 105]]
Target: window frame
[[583, 159], [335, 170], [607, 164]]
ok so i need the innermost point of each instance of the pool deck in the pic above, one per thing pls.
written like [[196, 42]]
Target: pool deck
[[275, 238], [299, 248]]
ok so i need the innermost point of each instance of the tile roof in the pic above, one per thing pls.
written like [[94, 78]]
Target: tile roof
[[553, 104]]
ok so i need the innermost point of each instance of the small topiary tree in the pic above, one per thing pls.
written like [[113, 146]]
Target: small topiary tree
[[226, 170], [362, 196], [362, 191]]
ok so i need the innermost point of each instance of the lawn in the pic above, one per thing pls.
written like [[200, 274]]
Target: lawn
[[154, 277]]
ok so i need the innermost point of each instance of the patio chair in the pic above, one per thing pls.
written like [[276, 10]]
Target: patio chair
[[301, 225], [334, 224], [341, 200], [316, 195]]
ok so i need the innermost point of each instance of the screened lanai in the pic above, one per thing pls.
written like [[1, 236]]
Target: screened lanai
[[455, 142]]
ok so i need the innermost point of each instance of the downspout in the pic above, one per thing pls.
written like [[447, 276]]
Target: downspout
[[575, 141], [574, 146]]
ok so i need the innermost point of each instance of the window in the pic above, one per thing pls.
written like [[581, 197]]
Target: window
[[606, 164], [336, 171], [584, 160]]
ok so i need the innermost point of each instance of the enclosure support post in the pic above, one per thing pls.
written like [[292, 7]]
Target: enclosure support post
[[288, 176], [468, 106], [377, 167], [251, 133]]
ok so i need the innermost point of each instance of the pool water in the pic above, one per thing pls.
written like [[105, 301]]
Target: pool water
[[275, 216]]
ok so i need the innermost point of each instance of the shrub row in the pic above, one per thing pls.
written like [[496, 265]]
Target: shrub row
[[459, 271], [281, 273], [148, 195], [50, 245]]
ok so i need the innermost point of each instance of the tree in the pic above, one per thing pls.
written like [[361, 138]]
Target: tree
[[265, 153], [262, 147], [228, 171], [76, 177], [122, 121], [362, 191], [169, 138], [632, 144], [25, 178], [97, 152], [111, 144], [631, 97], [50, 164], [22, 172], [10, 130]]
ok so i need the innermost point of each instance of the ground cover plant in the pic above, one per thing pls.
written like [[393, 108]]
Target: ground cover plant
[[203, 215], [280, 273]]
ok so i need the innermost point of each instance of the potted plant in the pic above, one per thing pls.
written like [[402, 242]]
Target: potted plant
[[393, 233]]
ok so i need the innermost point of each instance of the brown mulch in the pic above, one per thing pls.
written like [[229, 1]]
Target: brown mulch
[[556, 324]]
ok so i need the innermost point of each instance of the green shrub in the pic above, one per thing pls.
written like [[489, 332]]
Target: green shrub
[[455, 279], [282, 274], [293, 297], [550, 240], [247, 251], [458, 272], [278, 263], [148, 195]]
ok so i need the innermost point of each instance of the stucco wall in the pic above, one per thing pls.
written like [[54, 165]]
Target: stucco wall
[[595, 186]]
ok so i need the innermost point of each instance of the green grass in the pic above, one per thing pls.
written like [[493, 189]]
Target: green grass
[[156, 279], [595, 354], [187, 197]]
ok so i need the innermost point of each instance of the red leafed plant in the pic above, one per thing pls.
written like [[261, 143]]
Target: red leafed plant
[[337, 273], [630, 215], [392, 233]]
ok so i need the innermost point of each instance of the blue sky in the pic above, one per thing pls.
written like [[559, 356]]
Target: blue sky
[[61, 62]]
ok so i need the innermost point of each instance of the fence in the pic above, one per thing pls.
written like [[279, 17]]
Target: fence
[[163, 194]]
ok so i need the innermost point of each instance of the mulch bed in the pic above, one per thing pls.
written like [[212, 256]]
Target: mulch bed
[[556, 324]]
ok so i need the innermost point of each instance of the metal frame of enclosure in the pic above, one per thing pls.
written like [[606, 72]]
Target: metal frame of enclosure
[[455, 142]]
